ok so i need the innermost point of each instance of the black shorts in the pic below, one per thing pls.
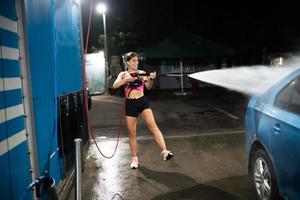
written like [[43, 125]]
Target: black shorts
[[136, 106]]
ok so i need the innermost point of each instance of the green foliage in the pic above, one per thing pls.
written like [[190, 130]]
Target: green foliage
[[118, 43], [94, 49], [101, 41]]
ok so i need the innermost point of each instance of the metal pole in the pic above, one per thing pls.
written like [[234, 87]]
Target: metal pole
[[181, 80], [181, 76], [78, 168], [105, 51]]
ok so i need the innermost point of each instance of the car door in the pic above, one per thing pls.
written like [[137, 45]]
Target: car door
[[285, 138]]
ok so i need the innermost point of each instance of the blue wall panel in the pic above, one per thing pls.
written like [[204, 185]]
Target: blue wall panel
[[14, 161], [3, 134], [7, 9], [11, 68], [39, 35], [39, 28], [14, 126], [2, 105], [53, 27], [5, 183], [11, 127], [8, 38], [19, 167], [12, 98], [67, 51]]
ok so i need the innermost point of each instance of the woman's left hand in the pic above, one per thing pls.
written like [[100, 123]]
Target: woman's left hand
[[152, 75]]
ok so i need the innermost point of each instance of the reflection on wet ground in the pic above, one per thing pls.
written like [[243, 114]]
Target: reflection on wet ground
[[204, 167]]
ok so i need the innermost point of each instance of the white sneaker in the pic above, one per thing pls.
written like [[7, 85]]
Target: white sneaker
[[134, 163], [167, 154]]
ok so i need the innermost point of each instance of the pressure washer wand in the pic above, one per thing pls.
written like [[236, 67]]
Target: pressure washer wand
[[138, 74]]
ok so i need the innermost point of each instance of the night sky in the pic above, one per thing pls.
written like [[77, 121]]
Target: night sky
[[244, 26]]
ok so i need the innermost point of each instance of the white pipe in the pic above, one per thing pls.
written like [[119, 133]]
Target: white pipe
[[78, 168]]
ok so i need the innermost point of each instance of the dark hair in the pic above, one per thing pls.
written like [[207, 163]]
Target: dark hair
[[130, 55]]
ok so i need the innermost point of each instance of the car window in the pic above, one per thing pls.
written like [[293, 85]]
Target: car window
[[294, 105], [289, 97], [283, 97]]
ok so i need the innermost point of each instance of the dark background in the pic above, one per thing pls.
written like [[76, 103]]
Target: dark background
[[248, 27]]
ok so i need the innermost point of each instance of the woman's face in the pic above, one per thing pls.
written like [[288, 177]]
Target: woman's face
[[133, 63]]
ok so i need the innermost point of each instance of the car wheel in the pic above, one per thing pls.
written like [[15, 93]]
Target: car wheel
[[263, 176]]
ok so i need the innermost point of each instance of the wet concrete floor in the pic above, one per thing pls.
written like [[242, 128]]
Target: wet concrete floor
[[205, 133]]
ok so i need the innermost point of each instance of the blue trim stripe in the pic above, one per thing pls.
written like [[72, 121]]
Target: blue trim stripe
[[11, 68], [14, 126], [12, 142], [1, 67], [19, 167], [8, 9], [5, 182], [3, 131], [8, 38], [2, 105], [10, 113], [12, 98]]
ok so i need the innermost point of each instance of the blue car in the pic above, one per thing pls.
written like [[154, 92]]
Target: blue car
[[272, 140]]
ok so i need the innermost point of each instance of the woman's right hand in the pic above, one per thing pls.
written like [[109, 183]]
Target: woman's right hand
[[128, 78], [123, 78]]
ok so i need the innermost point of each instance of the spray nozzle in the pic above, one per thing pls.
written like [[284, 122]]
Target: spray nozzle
[[42, 184]]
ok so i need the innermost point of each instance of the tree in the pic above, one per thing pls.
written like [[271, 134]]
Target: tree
[[118, 43]]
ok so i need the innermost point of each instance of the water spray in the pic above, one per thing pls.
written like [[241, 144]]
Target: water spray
[[251, 80]]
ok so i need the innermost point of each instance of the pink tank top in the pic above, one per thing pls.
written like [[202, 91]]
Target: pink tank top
[[130, 88]]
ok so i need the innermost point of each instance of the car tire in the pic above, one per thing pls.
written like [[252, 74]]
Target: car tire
[[263, 176]]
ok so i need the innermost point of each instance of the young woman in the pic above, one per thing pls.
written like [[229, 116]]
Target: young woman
[[137, 104]]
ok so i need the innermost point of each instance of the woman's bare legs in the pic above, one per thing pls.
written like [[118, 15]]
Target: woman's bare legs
[[150, 121], [131, 126]]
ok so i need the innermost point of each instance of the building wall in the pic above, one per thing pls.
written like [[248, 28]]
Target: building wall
[[14, 159], [54, 50], [53, 59], [39, 29]]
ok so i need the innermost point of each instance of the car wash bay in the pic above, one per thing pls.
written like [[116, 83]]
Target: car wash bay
[[204, 131]]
